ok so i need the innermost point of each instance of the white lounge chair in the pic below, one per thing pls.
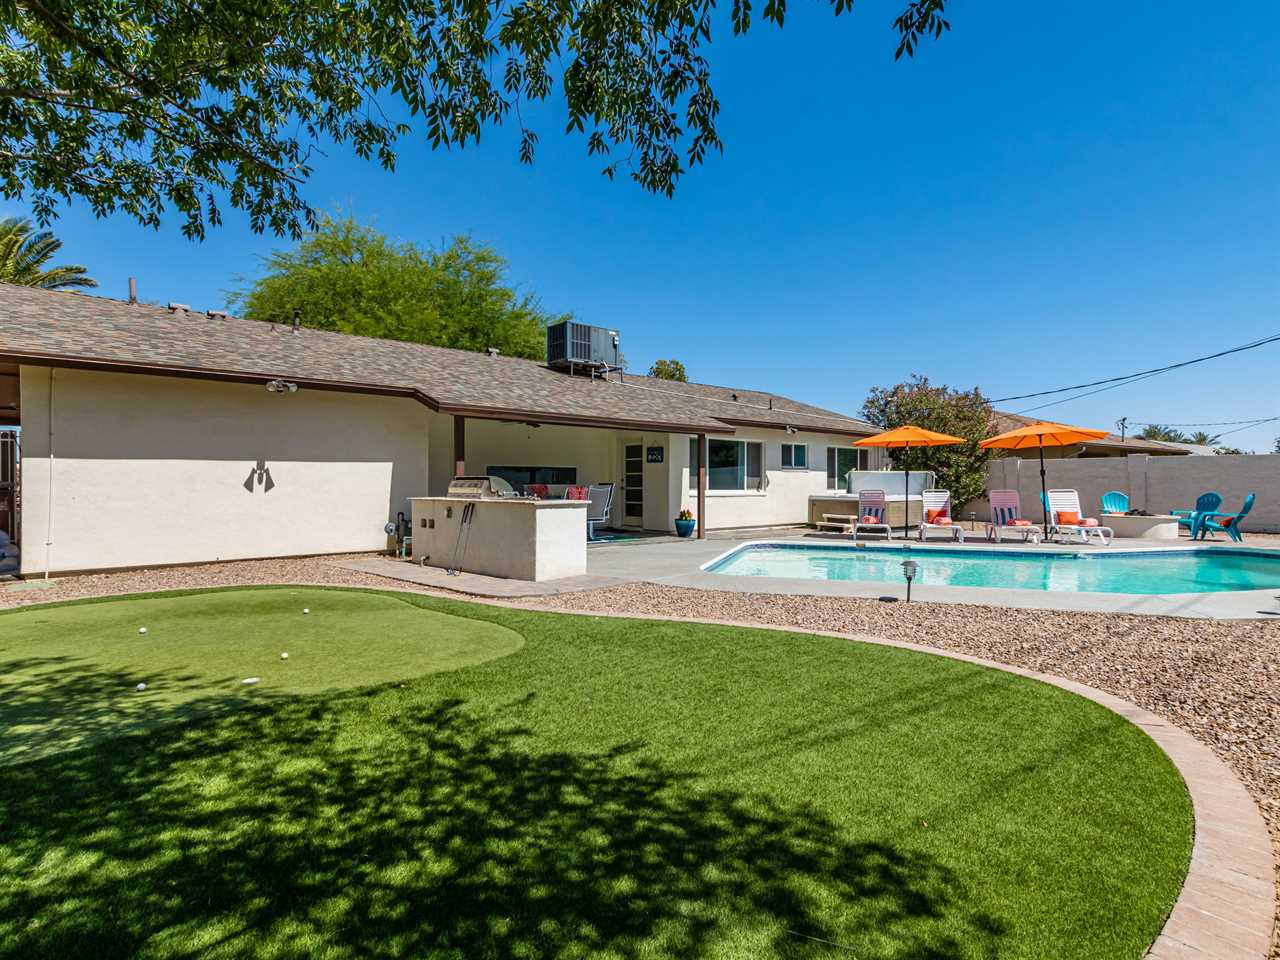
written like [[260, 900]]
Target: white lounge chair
[[1068, 501], [599, 502], [939, 500], [871, 504], [1005, 509]]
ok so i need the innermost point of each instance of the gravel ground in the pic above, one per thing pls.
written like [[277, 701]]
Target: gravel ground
[[1219, 680]]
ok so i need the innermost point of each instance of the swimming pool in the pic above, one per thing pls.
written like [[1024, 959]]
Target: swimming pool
[[1131, 572]]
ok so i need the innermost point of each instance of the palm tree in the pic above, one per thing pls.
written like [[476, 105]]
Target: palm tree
[[1204, 439], [24, 253], [1155, 431]]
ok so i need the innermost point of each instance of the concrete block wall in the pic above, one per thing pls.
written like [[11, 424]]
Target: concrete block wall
[[1155, 484]]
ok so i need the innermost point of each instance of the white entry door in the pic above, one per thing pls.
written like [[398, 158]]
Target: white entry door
[[632, 481]]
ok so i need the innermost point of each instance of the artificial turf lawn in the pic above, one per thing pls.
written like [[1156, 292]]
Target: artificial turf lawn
[[612, 789], [70, 673]]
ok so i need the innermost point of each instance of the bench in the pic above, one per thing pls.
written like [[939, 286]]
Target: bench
[[842, 522]]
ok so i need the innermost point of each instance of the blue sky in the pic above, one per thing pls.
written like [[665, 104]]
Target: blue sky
[[1072, 192]]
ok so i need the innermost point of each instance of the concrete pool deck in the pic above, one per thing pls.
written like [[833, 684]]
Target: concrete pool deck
[[679, 563]]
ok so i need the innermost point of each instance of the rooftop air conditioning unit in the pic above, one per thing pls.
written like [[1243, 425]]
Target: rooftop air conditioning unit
[[572, 344]]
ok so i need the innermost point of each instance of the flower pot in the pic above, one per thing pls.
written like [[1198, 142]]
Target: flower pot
[[684, 528]]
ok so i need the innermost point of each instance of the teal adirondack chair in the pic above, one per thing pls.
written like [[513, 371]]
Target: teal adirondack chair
[[1228, 523], [1205, 503], [1113, 501]]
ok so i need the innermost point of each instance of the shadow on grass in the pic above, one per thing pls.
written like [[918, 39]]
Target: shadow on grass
[[365, 826], [56, 703]]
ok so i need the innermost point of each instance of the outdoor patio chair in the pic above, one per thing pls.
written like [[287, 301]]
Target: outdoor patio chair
[[1228, 523], [1006, 517], [1205, 503], [871, 508], [1113, 501], [599, 499], [936, 505], [1067, 520]]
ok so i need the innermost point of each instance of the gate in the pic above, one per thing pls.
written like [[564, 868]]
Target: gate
[[9, 496]]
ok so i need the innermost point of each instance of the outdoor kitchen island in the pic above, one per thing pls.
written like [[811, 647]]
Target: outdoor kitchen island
[[514, 537]]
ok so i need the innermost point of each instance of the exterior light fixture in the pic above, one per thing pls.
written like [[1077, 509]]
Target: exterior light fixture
[[281, 386], [909, 568]]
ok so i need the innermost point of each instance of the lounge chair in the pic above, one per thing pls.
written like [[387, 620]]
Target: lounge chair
[[1113, 501], [871, 504], [1228, 523], [1006, 517], [1205, 503], [599, 501], [1068, 520], [936, 505]]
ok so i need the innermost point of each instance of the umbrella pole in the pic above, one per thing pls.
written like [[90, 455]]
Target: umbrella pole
[[1044, 496], [906, 501]]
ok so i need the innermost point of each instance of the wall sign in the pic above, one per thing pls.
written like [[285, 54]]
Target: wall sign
[[653, 454]]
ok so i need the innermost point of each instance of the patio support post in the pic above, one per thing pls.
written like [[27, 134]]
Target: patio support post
[[702, 486], [459, 446]]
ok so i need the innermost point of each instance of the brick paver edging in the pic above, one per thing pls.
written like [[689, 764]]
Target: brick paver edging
[[1226, 909]]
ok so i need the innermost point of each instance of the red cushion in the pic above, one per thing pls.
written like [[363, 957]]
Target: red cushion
[[869, 519], [1089, 522], [1223, 522], [943, 521], [932, 516], [1018, 523], [1068, 518]]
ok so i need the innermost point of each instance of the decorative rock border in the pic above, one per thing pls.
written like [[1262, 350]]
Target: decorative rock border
[[1227, 906]]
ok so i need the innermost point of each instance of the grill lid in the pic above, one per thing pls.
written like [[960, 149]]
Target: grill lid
[[480, 488]]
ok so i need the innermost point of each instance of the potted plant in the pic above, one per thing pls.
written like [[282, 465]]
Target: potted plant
[[685, 523]]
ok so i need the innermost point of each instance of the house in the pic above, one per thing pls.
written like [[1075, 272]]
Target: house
[[1111, 445], [156, 436]]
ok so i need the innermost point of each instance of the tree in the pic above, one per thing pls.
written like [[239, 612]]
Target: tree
[[961, 468], [151, 104], [351, 278], [1203, 439], [1277, 446], [671, 369], [24, 253], [1225, 451], [1154, 431]]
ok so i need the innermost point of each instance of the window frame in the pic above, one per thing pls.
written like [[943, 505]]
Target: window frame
[[791, 448], [861, 461], [747, 486]]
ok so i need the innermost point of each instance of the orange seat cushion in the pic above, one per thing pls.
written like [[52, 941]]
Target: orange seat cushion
[[1019, 523], [932, 516], [869, 519], [1089, 522], [1068, 518]]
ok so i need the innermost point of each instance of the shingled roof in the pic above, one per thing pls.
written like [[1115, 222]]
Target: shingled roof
[[77, 330]]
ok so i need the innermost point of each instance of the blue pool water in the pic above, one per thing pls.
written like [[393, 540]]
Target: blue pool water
[[1182, 571]]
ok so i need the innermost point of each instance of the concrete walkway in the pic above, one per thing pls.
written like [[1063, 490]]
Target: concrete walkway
[[473, 584]]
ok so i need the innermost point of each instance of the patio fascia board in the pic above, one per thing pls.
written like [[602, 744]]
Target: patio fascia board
[[581, 420], [213, 373], [800, 424]]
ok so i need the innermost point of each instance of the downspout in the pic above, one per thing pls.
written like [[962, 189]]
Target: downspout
[[48, 536]]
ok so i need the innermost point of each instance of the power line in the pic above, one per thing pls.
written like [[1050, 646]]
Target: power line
[[1080, 396], [1219, 423], [1143, 374], [1254, 424]]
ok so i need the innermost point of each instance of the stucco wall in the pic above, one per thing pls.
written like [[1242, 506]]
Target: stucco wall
[[785, 499], [159, 470], [1155, 484]]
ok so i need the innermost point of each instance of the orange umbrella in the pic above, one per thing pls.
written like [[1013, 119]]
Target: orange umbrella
[[901, 438], [1041, 435]]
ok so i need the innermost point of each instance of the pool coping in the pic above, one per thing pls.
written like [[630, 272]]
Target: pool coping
[[1225, 604], [1226, 907]]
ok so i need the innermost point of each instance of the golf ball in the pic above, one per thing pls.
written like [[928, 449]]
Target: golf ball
[[140, 687], [284, 656], [306, 609], [142, 630]]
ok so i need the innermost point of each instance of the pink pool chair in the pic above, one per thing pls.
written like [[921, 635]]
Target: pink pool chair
[[871, 509]]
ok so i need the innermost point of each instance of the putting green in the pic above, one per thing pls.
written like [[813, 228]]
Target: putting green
[[69, 674]]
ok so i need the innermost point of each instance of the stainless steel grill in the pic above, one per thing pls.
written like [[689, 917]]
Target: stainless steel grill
[[480, 488]]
